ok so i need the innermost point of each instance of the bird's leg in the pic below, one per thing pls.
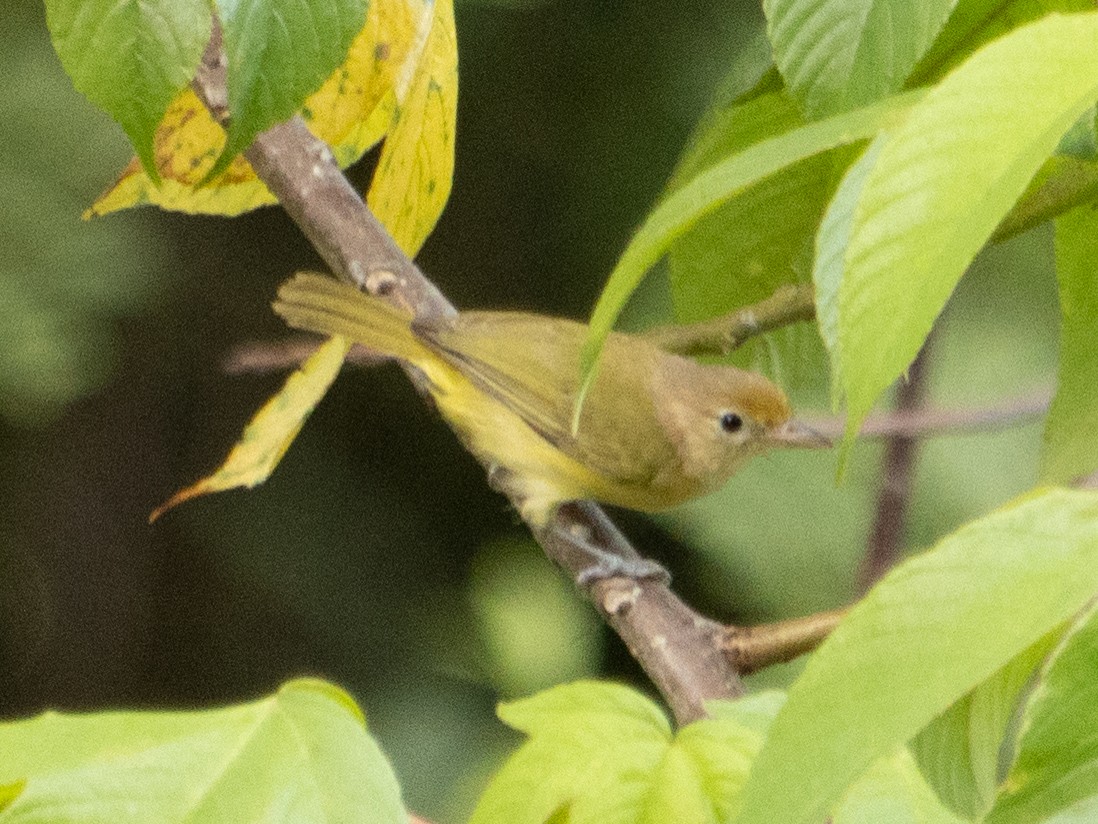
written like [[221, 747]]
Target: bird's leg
[[607, 553]]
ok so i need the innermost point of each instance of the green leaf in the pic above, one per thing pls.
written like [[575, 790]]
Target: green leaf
[[740, 253], [300, 755], [130, 57], [831, 241], [717, 185], [973, 23], [892, 791], [961, 751], [929, 632], [758, 240], [755, 711], [1081, 140], [279, 52], [1071, 433], [602, 753], [942, 183], [1056, 770], [838, 54]]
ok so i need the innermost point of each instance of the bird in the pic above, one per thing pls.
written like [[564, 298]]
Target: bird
[[656, 429]]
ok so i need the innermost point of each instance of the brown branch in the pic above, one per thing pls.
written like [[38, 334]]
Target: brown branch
[[928, 423], [897, 470], [750, 649], [265, 357], [789, 304], [677, 648]]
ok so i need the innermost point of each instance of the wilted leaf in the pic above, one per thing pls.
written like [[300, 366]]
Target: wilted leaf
[[416, 168], [272, 429], [351, 112], [130, 57]]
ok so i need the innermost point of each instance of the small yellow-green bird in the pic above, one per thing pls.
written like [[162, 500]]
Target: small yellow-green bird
[[656, 429]]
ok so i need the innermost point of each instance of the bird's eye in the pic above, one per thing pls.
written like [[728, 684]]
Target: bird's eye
[[731, 422]]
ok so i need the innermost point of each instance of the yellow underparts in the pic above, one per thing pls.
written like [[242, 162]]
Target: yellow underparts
[[540, 476]]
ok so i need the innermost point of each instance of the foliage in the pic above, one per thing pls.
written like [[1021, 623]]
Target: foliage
[[302, 754], [877, 153], [909, 215]]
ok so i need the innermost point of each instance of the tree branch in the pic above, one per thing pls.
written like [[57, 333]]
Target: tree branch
[[678, 648], [789, 304], [897, 469], [264, 357], [750, 649], [928, 423]]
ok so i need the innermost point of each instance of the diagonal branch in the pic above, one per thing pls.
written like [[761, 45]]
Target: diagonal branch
[[678, 648]]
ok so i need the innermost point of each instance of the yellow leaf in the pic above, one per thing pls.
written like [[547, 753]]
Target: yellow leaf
[[269, 433], [400, 80], [413, 177], [351, 112]]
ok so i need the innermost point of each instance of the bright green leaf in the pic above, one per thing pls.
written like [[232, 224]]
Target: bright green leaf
[[974, 23], [839, 54], [831, 242], [961, 751], [603, 754], [892, 792], [300, 755], [597, 713], [1071, 434], [1057, 764], [712, 188], [930, 631], [941, 184], [279, 52], [130, 57], [755, 711]]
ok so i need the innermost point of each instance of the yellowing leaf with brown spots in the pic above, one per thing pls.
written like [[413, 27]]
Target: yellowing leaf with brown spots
[[399, 81], [271, 431], [413, 177], [351, 112]]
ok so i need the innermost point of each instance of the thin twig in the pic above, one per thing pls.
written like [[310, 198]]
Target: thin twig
[[929, 423], [265, 357], [750, 649], [677, 647], [789, 304], [897, 470]]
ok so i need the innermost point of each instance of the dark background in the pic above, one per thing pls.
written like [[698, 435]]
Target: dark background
[[376, 556]]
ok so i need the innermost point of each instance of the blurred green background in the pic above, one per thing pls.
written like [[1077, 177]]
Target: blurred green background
[[376, 556]]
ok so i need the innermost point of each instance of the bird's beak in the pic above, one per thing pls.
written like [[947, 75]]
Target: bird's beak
[[794, 434]]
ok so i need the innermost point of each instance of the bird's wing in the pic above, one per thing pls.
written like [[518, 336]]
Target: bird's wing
[[531, 364]]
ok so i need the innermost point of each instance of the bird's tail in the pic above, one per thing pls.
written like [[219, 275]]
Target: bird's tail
[[318, 303]]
